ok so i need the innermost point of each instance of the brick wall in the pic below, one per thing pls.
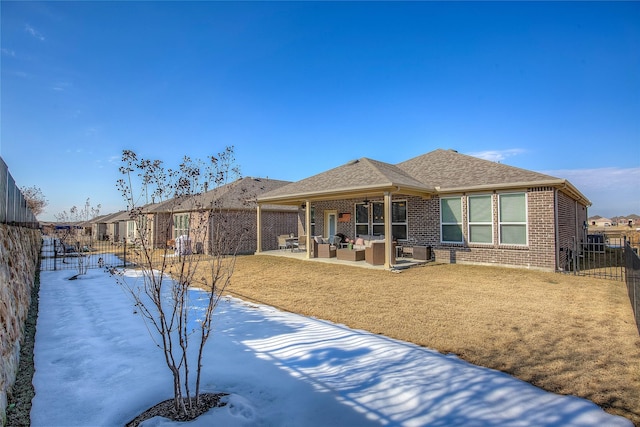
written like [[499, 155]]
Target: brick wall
[[571, 218], [19, 249], [423, 221], [540, 252], [274, 223]]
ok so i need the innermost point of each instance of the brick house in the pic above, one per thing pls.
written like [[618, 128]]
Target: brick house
[[228, 210], [467, 210]]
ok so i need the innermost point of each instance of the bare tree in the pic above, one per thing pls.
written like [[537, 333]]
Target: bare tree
[[75, 214], [163, 297], [35, 199]]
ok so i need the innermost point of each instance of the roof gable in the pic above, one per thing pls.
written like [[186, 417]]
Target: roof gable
[[356, 175]]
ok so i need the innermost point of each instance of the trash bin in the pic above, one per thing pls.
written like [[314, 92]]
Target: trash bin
[[183, 245]]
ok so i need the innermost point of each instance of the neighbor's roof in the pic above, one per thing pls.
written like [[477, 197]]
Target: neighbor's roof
[[436, 172], [240, 194]]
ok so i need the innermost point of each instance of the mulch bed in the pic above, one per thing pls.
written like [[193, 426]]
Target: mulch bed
[[167, 409]]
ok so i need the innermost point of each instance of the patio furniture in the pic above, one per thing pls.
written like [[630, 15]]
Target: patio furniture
[[292, 242], [406, 251], [302, 243], [282, 241], [374, 253], [323, 249], [350, 254]]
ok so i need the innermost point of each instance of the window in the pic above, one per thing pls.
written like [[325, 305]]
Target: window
[[480, 219], [451, 219], [512, 213], [180, 225], [131, 230], [313, 221], [362, 219], [378, 218], [399, 220]]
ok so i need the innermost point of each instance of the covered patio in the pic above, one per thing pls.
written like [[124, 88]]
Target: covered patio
[[362, 199]]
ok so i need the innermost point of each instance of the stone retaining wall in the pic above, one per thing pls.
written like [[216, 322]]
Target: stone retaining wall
[[19, 251]]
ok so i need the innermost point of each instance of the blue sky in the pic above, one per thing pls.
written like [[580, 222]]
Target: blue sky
[[298, 88]]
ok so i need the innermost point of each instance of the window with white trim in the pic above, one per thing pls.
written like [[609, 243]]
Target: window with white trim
[[131, 230], [377, 220], [480, 217], [399, 219], [362, 219], [313, 221], [451, 220], [180, 225], [512, 218]]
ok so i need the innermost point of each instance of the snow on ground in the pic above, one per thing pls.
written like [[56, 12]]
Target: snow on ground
[[96, 365]]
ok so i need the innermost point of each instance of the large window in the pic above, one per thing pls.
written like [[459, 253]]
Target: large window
[[451, 219], [512, 212], [480, 214], [180, 225], [313, 221], [131, 230], [398, 219], [362, 219], [378, 218]]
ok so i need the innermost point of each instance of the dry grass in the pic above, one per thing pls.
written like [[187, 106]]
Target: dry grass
[[565, 334]]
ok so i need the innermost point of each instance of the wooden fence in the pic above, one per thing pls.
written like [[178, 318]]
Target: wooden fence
[[13, 205]]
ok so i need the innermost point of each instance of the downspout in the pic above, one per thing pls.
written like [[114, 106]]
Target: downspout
[[555, 228], [307, 227], [259, 229]]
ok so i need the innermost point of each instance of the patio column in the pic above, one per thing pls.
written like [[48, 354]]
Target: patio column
[[388, 231], [307, 227], [259, 229]]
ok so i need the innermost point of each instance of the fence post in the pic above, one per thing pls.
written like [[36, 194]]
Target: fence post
[[574, 256], [55, 255]]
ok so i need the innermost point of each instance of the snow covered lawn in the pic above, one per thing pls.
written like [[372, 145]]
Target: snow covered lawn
[[96, 365]]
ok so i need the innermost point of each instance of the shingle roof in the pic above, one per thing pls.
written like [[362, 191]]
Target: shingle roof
[[438, 171], [240, 194], [447, 169], [358, 175]]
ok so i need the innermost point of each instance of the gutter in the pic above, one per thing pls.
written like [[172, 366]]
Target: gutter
[[345, 193]]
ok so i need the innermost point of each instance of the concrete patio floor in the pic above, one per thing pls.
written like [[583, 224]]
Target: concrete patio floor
[[401, 263]]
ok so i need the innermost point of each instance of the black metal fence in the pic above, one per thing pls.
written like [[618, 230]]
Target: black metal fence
[[80, 254], [600, 256], [632, 278], [72, 250]]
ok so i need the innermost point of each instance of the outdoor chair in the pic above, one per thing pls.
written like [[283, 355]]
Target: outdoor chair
[[282, 241], [302, 243], [323, 249]]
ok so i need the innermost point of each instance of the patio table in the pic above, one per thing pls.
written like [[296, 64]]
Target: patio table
[[290, 242], [350, 254]]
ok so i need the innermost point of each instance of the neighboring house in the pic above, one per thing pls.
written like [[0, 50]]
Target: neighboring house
[[102, 227], [229, 209], [468, 210], [602, 222]]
